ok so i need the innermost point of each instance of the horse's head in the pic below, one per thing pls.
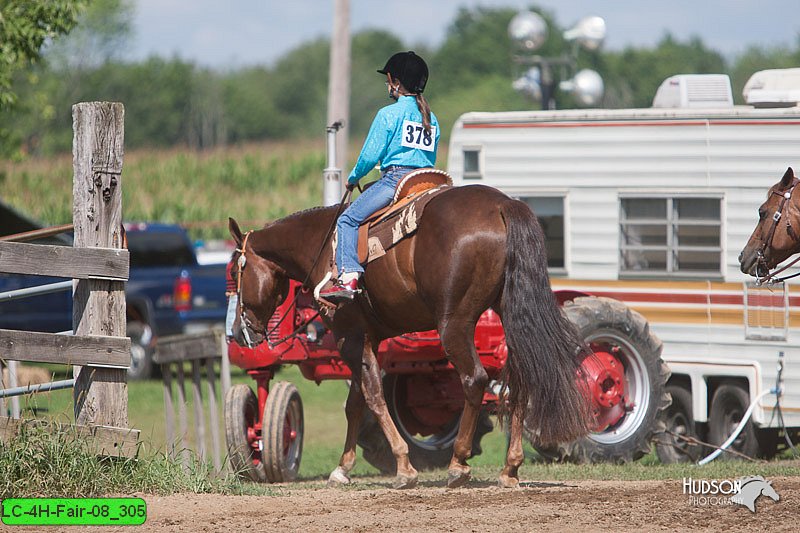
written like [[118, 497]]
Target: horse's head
[[777, 234], [261, 286]]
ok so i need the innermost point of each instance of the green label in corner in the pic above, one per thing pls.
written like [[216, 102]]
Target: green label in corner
[[74, 511]]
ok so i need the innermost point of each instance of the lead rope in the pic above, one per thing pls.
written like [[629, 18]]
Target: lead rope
[[299, 328], [770, 278]]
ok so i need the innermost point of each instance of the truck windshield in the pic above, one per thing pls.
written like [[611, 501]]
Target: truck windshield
[[150, 249]]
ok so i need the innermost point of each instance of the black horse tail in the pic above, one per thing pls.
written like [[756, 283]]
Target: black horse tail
[[544, 350]]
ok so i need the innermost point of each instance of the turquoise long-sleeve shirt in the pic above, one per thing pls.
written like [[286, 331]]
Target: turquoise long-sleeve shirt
[[397, 137]]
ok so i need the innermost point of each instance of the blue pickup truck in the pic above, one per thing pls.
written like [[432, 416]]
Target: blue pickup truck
[[168, 293]]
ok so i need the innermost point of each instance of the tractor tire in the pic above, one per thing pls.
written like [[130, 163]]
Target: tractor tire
[[241, 414], [282, 431], [678, 420], [728, 405], [426, 453], [605, 321], [141, 351]]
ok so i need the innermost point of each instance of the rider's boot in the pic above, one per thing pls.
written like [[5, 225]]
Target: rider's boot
[[345, 288]]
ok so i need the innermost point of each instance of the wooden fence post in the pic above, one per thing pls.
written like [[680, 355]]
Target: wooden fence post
[[100, 394]]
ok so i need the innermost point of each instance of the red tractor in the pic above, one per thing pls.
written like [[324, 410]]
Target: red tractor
[[265, 430]]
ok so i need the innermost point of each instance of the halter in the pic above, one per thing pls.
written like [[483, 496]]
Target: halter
[[776, 217]]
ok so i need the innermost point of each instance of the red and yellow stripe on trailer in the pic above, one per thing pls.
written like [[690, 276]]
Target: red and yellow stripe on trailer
[[690, 302]]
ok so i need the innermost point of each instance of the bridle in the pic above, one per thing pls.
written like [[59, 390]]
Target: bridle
[[248, 329], [247, 326], [776, 217]]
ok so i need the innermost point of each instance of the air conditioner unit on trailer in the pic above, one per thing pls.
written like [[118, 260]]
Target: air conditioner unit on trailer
[[773, 88], [694, 91]]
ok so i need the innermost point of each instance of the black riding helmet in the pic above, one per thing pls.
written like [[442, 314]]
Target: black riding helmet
[[409, 68]]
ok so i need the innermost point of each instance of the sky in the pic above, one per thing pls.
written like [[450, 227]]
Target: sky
[[235, 33]]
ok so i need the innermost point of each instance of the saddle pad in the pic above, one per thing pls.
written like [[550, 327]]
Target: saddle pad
[[375, 238]]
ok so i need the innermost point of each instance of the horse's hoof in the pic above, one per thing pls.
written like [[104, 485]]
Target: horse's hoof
[[404, 482], [338, 477], [457, 478], [508, 482]]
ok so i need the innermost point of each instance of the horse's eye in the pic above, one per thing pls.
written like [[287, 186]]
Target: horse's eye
[[762, 214]]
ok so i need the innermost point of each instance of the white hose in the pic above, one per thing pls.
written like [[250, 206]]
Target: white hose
[[738, 429]]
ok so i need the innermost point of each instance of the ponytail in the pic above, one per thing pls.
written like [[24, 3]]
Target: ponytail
[[425, 109]]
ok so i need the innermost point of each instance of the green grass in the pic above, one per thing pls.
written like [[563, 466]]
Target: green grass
[[323, 407], [50, 460], [324, 438]]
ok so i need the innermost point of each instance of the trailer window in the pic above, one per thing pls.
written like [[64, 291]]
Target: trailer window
[[472, 163], [550, 212], [671, 236]]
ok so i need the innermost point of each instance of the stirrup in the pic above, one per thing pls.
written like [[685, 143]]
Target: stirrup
[[341, 291]]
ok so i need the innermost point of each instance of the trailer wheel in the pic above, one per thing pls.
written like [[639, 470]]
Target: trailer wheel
[[425, 452], [678, 420], [141, 351], [610, 326], [768, 440], [241, 434], [727, 408], [282, 433]]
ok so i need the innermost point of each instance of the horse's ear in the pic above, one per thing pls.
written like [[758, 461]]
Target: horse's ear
[[236, 233], [787, 178]]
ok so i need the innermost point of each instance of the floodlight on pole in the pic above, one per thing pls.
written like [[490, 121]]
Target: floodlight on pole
[[530, 84], [586, 85], [527, 30], [537, 79], [589, 32]]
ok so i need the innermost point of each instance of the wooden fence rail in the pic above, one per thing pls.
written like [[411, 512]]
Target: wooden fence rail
[[35, 234], [99, 264], [200, 352], [63, 261], [100, 351]]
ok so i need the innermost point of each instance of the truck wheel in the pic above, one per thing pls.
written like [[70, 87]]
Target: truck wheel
[[678, 420], [282, 433], [241, 434], [610, 327], [727, 409], [426, 452], [141, 351]]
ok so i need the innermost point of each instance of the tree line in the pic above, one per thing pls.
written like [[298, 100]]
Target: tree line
[[174, 102]]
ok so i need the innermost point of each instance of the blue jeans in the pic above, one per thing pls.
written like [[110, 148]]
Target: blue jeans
[[377, 196]]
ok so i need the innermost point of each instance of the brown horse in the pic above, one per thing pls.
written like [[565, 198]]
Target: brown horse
[[475, 248], [777, 234]]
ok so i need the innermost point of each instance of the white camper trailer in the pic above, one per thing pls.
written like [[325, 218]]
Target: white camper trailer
[[652, 207]]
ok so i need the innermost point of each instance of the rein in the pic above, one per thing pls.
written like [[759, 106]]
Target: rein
[[776, 217], [248, 326]]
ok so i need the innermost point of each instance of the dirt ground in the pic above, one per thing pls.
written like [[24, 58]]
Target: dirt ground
[[538, 506]]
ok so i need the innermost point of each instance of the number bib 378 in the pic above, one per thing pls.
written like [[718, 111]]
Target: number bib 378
[[414, 136]]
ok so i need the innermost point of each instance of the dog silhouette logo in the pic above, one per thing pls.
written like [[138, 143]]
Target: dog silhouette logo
[[751, 488]]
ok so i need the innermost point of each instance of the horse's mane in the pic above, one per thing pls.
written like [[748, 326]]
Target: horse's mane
[[297, 214]]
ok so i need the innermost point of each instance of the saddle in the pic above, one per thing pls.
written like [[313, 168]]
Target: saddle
[[388, 226]]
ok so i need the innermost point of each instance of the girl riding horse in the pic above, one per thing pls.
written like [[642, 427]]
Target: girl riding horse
[[403, 137]]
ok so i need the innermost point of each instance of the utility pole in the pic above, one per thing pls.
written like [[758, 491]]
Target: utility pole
[[338, 101]]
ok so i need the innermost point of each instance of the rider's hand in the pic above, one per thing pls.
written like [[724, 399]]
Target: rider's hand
[[351, 186]]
